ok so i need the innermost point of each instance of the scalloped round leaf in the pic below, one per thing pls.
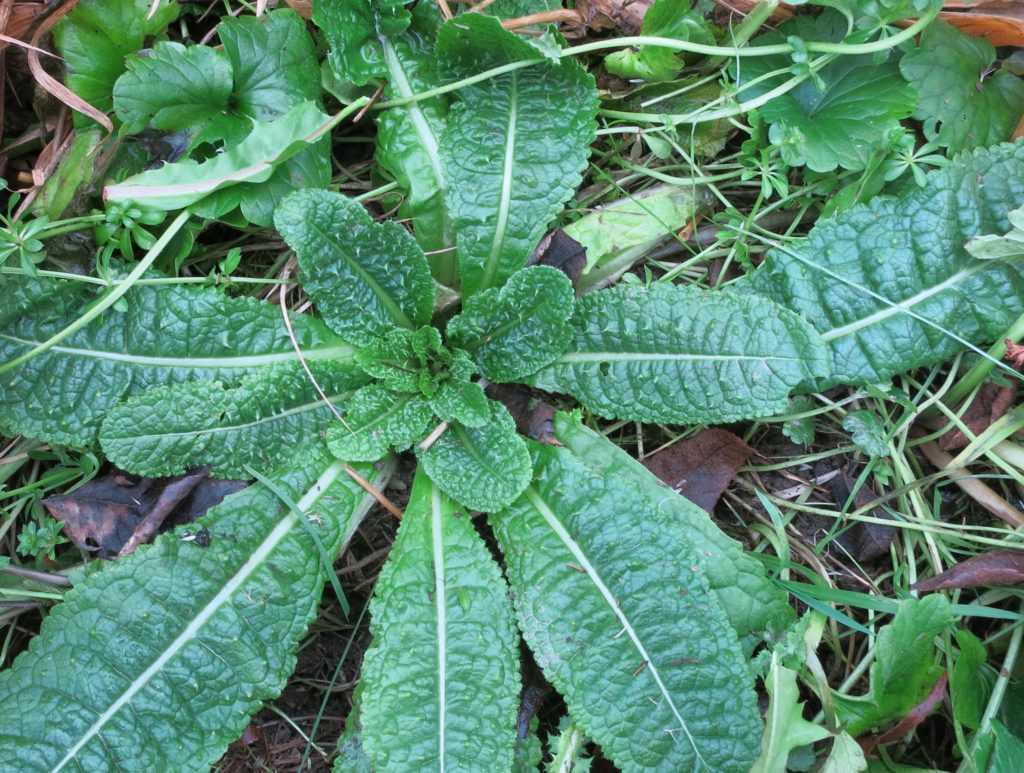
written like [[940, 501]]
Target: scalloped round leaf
[[675, 353], [482, 468], [517, 329], [441, 596]]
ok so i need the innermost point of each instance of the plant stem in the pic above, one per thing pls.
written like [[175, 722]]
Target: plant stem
[[980, 371], [108, 299]]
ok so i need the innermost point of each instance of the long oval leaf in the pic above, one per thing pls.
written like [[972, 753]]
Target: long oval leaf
[[612, 601], [440, 684], [156, 661]]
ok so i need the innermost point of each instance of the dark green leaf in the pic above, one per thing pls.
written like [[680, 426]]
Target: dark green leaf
[[377, 419], [355, 29], [664, 19], [519, 328], [366, 278], [967, 680], [867, 432]]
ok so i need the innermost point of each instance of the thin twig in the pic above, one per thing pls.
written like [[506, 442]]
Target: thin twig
[[366, 486], [432, 438]]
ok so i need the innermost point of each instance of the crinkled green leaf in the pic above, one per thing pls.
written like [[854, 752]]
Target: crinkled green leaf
[[167, 335], [889, 285], [366, 278], [98, 35], [513, 148], [962, 104], [519, 328], [157, 661], [904, 669], [863, 100], [173, 88], [259, 423], [185, 183], [785, 726], [755, 607], [464, 402], [377, 419], [675, 353], [613, 603], [483, 468], [512, 9], [664, 19], [440, 684], [355, 29]]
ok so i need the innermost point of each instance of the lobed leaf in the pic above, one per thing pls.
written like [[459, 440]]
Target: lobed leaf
[[366, 278], [259, 423], [378, 419], [889, 285], [517, 329], [755, 607], [167, 335], [613, 603], [513, 148], [159, 659], [482, 468], [440, 596], [674, 353]]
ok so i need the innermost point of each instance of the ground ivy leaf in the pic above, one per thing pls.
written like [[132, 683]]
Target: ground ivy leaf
[[259, 423], [173, 88], [664, 19], [863, 100], [483, 468], [440, 684], [377, 419], [962, 105], [613, 604], [867, 432], [519, 328], [187, 183], [98, 35], [274, 63], [889, 285], [513, 148], [674, 353], [366, 278]]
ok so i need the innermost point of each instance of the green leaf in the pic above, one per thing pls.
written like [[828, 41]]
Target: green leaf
[[889, 285], [613, 603], [967, 680], [355, 29], [755, 607], [962, 104], [186, 183], [173, 88], [674, 353], [867, 432], [167, 335], [160, 658], [846, 756], [365, 278], [842, 121], [800, 430], [377, 419], [1009, 246], [517, 329], [98, 35], [260, 423], [442, 599], [483, 468], [785, 726], [464, 402], [513, 148], [904, 669], [664, 19], [1008, 752]]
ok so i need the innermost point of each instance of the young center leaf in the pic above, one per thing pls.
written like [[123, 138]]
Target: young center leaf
[[889, 285], [515, 330], [513, 148], [962, 104], [167, 335], [259, 423], [440, 684], [614, 604], [366, 278], [483, 468], [837, 118], [755, 607], [160, 658], [377, 419], [674, 353]]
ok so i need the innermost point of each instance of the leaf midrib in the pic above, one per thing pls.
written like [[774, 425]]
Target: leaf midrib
[[505, 201], [441, 607]]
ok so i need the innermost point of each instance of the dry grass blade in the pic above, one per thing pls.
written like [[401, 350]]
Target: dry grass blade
[[974, 488]]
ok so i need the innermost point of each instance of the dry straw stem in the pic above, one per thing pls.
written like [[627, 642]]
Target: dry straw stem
[[974, 488]]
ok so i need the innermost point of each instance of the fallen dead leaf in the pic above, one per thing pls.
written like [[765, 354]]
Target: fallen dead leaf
[[561, 251], [702, 467], [628, 15], [114, 514], [991, 402], [917, 715], [533, 417], [864, 541], [998, 567]]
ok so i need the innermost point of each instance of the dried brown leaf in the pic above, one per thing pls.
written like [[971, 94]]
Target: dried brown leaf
[[702, 467], [990, 403], [998, 567]]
